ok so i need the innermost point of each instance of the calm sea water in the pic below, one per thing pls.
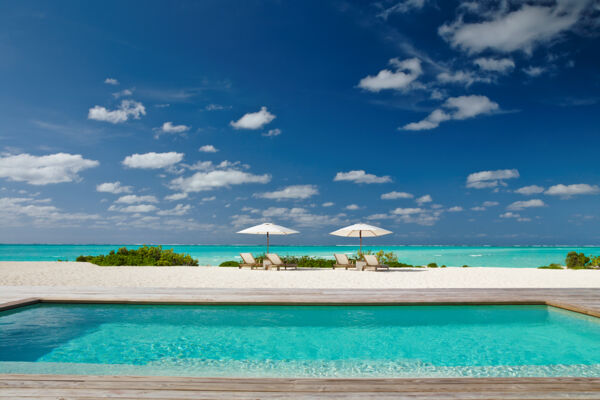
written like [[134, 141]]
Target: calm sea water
[[315, 341], [452, 256]]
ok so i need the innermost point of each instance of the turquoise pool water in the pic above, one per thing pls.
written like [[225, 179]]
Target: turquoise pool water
[[452, 256], [299, 341]]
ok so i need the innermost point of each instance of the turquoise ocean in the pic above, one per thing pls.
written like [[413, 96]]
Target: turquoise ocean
[[452, 256]]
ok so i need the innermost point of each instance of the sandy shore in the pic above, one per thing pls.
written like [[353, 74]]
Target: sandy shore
[[89, 275]]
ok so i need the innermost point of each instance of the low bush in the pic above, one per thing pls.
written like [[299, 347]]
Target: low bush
[[551, 266], [466, 266], [143, 256], [229, 264], [576, 260], [432, 265]]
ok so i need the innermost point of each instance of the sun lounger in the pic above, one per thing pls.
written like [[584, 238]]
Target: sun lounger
[[341, 261], [373, 262], [249, 261], [278, 263]]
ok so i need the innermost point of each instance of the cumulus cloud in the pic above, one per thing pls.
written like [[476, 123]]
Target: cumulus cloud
[[122, 93], [455, 209], [208, 148], [28, 211], [519, 205], [111, 81], [216, 107], [139, 208], [169, 128], [510, 214], [572, 190], [295, 192], [529, 190], [500, 65], [352, 207], [407, 211], [179, 209], [360, 176], [153, 160], [404, 74], [297, 215], [127, 109], [466, 78], [455, 108], [424, 199], [328, 204], [490, 203], [534, 71], [254, 120], [506, 30], [176, 196], [202, 181], [43, 170], [396, 195], [488, 179], [113, 187], [132, 199]]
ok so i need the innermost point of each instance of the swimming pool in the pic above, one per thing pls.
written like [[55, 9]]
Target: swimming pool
[[299, 341]]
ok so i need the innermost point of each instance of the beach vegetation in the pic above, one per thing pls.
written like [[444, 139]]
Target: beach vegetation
[[143, 256], [229, 264], [466, 266], [576, 260], [432, 265], [551, 266]]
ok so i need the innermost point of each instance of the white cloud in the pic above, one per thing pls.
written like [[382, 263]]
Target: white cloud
[[379, 216], [113, 187], [466, 78], [168, 127], [202, 181], [406, 72], [407, 211], [43, 170], [28, 211], [272, 132], [328, 204], [209, 198], [455, 209], [359, 176], [132, 199], [176, 196], [516, 216], [215, 107], [122, 93], [519, 205], [290, 192], [487, 179], [179, 209], [127, 109], [352, 207], [490, 203], [534, 71], [424, 199], [478, 208], [298, 216], [111, 81], [139, 208], [455, 108], [505, 30], [500, 65], [402, 7], [572, 190], [152, 160], [529, 190], [208, 148], [396, 195], [255, 120]]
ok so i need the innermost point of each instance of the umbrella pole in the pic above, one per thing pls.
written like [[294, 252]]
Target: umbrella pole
[[360, 247], [267, 242]]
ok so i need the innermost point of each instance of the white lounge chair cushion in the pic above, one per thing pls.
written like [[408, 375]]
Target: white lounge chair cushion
[[371, 259], [248, 258], [274, 258], [342, 259]]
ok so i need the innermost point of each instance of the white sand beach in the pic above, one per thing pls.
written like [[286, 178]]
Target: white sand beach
[[72, 274]]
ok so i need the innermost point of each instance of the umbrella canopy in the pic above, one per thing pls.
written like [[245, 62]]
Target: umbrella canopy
[[268, 229], [360, 231]]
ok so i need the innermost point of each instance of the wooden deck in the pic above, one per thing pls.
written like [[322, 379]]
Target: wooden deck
[[100, 387]]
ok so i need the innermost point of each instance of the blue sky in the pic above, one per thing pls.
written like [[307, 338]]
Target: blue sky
[[181, 122]]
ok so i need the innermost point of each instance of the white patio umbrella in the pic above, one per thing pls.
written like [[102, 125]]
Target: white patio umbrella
[[360, 231], [268, 229]]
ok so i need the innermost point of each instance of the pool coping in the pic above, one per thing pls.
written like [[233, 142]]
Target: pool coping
[[584, 301]]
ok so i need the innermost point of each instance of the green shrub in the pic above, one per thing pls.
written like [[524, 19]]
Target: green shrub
[[551, 266], [229, 264], [432, 265], [575, 260], [144, 256], [396, 264], [466, 266], [443, 266]]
